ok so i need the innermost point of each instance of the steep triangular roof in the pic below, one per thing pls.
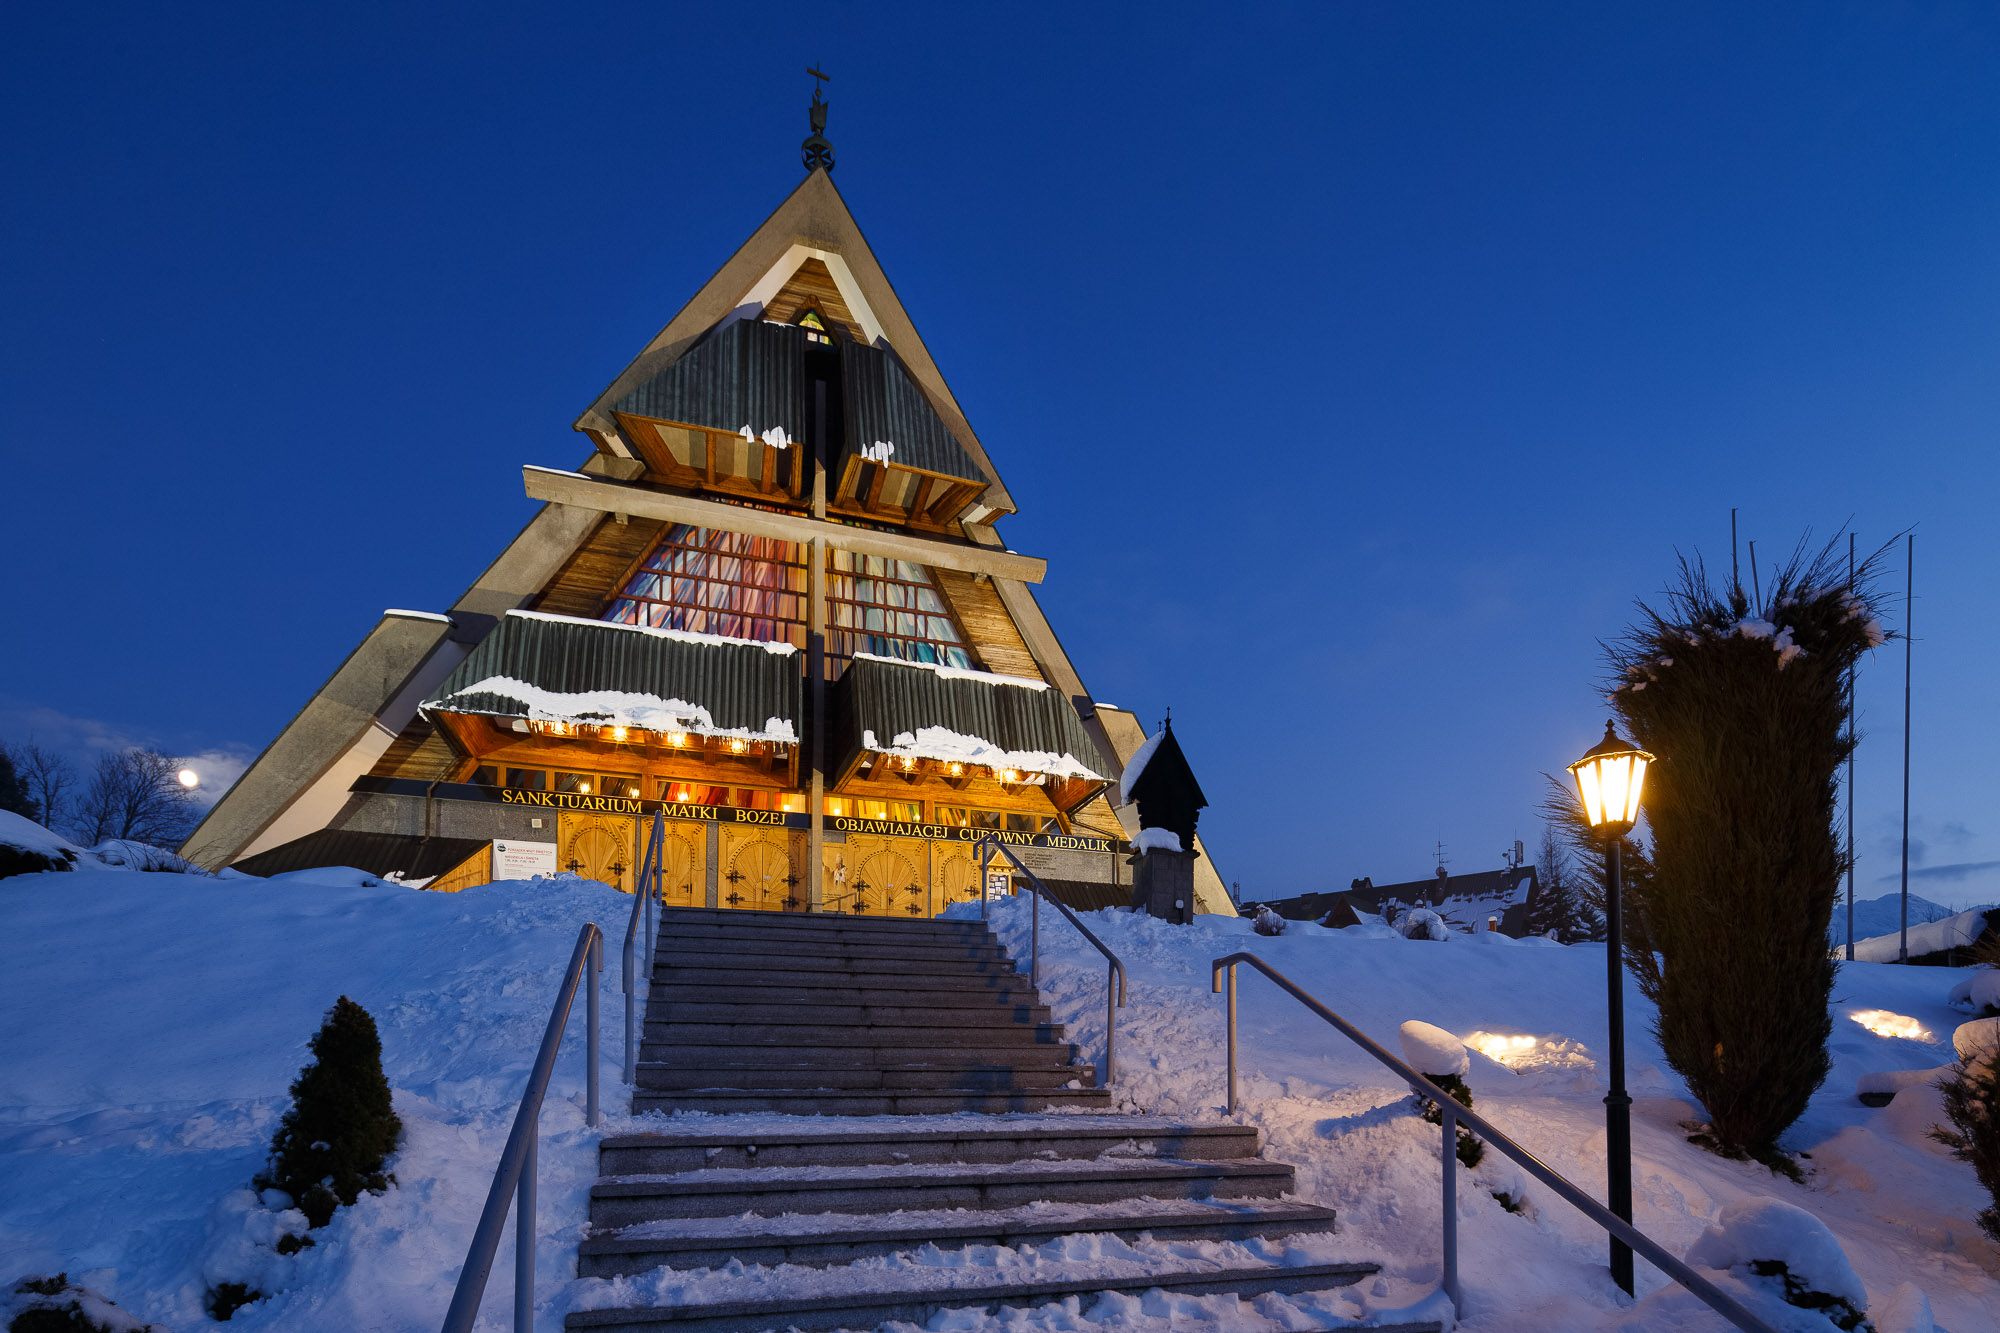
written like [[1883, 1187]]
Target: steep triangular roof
[[813, 223]]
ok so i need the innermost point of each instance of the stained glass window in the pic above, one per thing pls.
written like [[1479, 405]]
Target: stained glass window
[[747, 587]]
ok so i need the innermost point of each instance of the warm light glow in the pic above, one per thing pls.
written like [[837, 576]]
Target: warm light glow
[[957, 769], [681, 794], [737, 745], [677, 739], [189, 778], [1009, 775], [1885, 1024], [583, 787], [631, 791], [1499, 1046], [1610, 780], [909, 763], [618, 734]]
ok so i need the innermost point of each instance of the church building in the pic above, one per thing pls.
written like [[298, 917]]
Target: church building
[[772, 605]]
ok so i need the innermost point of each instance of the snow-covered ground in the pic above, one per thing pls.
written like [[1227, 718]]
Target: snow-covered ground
[[155, 1020], [1900, 1207]]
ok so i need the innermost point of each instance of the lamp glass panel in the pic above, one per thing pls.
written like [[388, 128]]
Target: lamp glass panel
[[1632, 796], [1614, 776], [1586, 787]]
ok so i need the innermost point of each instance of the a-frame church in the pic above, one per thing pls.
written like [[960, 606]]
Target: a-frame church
[[772, 604]]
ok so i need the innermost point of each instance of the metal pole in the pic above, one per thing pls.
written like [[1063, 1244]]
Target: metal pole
[[590, 1042], [1850, 771], [1617, 1105], [1232, 1039], [1034, 937], [1110, 1022], [631, 1034], [1450, 1202], [1909, 619], [524, 1240], [985, 853]]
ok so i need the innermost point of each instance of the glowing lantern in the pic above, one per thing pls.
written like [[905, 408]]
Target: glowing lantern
[[1609, 779]]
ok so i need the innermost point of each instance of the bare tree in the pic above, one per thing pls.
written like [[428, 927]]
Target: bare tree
[[49, 780], [1560, 906], [135, 795]]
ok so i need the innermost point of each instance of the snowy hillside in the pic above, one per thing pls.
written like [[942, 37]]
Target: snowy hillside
[[1901, 1208], [155, 1021], [1881, 916]]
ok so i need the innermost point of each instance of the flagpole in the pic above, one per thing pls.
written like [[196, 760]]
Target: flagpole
[[1851, 727], [1909, 618]]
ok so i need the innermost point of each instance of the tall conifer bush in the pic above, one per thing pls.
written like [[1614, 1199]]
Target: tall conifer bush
[[341, 1129], [1746, 707]]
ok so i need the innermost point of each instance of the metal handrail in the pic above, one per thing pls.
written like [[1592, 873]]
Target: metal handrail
[[515, 1176], [1114, 982], [643, 894], [1707, 1292]]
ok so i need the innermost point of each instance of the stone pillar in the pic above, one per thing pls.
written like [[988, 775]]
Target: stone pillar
[[1163, 885]]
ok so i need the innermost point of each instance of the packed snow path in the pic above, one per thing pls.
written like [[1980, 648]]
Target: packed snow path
[[872, 1198]]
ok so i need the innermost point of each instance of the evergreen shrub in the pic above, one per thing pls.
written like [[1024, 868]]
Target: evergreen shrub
[[1746, 707], [333, 1142], [1470, 1149], [1972, 1103]]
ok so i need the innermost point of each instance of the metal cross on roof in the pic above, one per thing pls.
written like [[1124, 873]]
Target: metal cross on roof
[[816, 152]]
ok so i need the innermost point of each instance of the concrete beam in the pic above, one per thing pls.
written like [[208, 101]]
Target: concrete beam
[[615, 497]]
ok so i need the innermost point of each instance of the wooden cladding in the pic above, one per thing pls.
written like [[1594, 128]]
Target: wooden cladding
[[885, 492], [718, 460], [417, 752], [599, 567], [813, 286], [992, 633]]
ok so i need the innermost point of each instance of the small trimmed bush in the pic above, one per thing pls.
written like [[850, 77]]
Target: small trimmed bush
[[334, 1141], [1972, 1102]]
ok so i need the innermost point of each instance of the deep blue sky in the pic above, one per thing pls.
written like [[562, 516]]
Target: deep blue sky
[[1354, 366]]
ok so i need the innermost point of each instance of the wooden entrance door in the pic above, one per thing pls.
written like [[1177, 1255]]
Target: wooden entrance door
[[683, 863], [599, 847], [954, 874], [759, 869], [878, 876]]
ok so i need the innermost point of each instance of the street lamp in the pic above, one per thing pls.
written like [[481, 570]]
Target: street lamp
[[1609, 780]]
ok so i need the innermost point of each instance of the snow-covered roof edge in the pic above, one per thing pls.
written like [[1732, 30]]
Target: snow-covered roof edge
[[946, 745], [610, 708], [959, 673], [1137, 765], [776, 649], [418, 615]]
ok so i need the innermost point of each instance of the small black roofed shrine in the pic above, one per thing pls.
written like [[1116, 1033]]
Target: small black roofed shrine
[[1160, 782]]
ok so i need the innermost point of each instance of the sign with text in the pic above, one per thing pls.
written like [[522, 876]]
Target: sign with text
[[522, 860]]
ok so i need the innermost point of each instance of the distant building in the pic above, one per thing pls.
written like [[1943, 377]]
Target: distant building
[[1466, 902], [771, 605]]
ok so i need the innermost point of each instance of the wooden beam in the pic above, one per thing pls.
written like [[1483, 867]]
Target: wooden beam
[[585, 492]]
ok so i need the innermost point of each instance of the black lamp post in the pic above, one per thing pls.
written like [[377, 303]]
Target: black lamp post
[[1609, 779]]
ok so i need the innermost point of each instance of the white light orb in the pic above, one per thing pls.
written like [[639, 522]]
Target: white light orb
[[189, 778]]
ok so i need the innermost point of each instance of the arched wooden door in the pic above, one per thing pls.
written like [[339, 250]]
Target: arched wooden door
[[683, 864], [757, 875], [599, 847], [955, 874], [876, 876]]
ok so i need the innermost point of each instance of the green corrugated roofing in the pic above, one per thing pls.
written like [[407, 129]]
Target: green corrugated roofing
[[534, 665], [941, 713]]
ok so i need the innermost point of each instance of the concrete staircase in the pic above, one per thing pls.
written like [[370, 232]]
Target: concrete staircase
[[815, 1018]]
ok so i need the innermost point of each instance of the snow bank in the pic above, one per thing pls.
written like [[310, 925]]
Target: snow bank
[[1433, 1051], [1763, 1230], [1978, 993], [24, 834], [1421, 923], [155, 1023], [1158, 840], [1953, 932], [1977, 1041]]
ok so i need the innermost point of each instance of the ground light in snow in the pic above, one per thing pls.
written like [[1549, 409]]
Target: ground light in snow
[[1499, 1046], [1523, 1053], [1885, 1024]]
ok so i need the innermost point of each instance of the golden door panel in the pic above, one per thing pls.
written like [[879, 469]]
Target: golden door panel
[[757, 866], [877, 876], [599, 847], [683, 863], [954, 874], [473, 871]]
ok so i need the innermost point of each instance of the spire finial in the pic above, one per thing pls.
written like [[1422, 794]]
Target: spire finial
[[816, 152]]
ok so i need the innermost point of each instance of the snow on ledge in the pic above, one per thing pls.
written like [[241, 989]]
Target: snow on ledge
[[613, 708], [958, 673], [946, 745], [418, 615], [1158, 840], [1137, 765], [776, 649]]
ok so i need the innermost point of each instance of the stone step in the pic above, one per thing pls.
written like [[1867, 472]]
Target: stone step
[[716, 1192], [780, 1015], [783, 963], [889, 1077], [786, 990], [977, 1291], [754, 946], [850, 1034], [822, 1239], [737, 916], [893, 933], [1022, 1055], [837, 1103], [890, 978], [1066, 1137]]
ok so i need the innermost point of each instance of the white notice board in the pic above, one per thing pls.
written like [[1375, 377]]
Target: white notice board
[[523, 860]]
